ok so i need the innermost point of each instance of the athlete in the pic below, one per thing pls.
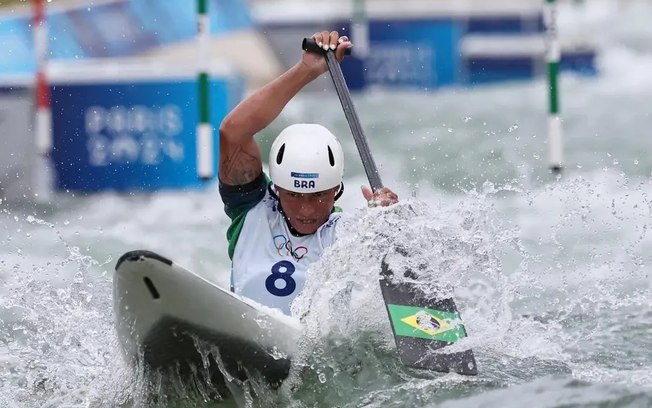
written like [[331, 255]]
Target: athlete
[[282, 223]]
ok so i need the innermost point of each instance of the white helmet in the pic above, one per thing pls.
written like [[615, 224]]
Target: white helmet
[[306, 158]]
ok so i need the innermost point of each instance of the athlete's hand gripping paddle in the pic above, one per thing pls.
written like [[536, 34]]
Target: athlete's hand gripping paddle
[[420, 323]]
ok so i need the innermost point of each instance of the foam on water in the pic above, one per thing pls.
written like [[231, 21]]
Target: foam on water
[[529, 314], [551, 392], [59, 335], [551, 277], [58, 345], [535, 298]]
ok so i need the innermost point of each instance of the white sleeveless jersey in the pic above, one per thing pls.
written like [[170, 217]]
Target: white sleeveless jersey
[[269, 263]]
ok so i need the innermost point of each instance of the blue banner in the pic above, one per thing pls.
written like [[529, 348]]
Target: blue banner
[[422, 53], [406, 53], [132, 136]]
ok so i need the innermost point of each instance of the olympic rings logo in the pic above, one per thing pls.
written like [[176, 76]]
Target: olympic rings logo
[[284, 247]]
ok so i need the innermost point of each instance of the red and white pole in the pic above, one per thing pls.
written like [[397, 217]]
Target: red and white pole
[[43, 111]]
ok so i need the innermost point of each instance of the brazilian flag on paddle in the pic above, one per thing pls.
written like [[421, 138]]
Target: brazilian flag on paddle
[[424, 323]]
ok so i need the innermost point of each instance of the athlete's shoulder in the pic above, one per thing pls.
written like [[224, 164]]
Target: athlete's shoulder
[[270, 201]]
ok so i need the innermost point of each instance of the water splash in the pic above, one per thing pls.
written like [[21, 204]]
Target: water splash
[[523, 324], [56, 336]]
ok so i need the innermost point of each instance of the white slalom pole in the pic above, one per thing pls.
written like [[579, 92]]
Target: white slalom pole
[[360, 28], [205, 159], [553, 56], [43, 111]]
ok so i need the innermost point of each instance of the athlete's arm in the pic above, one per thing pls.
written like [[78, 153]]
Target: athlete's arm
[[240, 158]]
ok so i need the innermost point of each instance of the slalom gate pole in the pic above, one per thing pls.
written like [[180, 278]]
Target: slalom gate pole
[[43, 125], [553, 56], [360, 28], [204, 132]]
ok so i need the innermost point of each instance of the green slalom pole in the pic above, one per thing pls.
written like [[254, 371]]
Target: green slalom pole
[[205, 159], [553, 55]]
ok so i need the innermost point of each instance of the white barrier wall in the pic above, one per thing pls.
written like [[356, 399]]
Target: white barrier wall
[[17, 154]]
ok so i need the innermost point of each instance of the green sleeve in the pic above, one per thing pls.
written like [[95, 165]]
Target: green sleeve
[[238, 200]]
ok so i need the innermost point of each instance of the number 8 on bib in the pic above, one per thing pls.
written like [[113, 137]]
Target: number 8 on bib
[[281, 271]]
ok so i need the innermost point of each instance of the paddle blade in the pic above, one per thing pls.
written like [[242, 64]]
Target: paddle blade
[[422, 325]]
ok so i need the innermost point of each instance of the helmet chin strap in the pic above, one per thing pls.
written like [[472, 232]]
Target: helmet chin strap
[[340, 191], [272, 192], [293, 231]]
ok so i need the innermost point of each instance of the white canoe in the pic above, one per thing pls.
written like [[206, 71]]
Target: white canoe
[[162, 310]]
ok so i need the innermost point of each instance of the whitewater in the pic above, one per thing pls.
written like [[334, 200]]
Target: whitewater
[[551, 274]]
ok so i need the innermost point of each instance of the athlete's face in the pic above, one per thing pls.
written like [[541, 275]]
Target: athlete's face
[[307, 212]]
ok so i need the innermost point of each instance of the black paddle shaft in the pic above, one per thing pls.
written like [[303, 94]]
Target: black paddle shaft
[[309, 44]]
